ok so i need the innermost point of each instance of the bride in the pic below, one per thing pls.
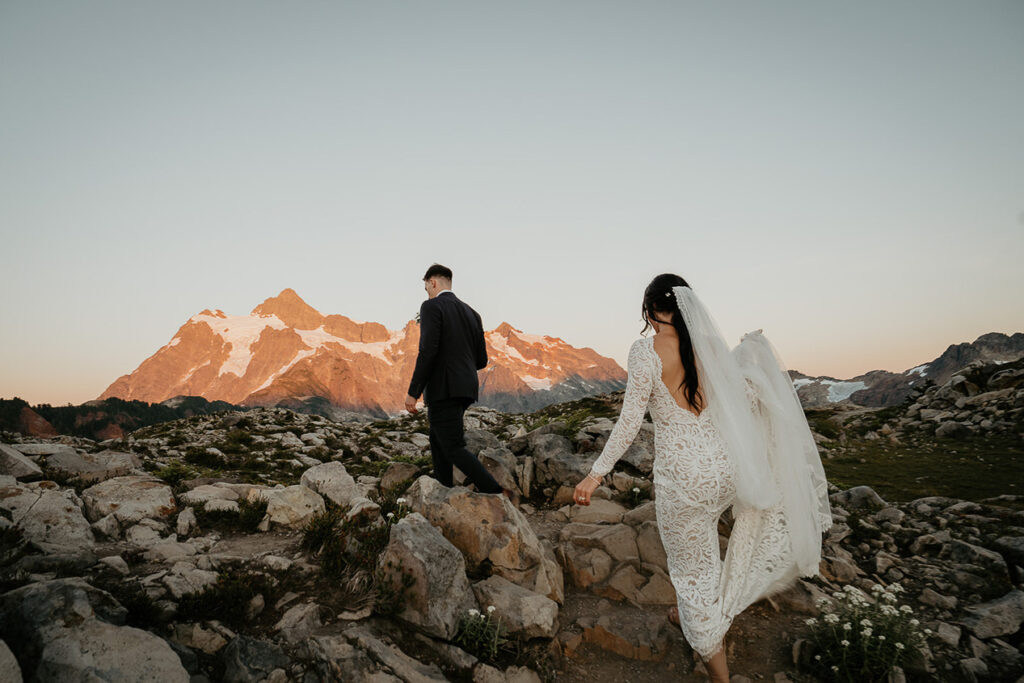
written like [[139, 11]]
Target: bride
[[729, 431]]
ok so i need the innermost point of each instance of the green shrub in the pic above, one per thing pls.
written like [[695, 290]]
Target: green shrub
[[174, 473], [245, 520], [142, 609], [197, 455], [322, 526], [228, 599], [236, 441]]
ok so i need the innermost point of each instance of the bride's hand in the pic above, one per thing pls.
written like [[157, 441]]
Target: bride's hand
[[586, 488]]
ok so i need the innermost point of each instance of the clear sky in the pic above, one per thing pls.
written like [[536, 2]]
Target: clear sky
[[847, 176]]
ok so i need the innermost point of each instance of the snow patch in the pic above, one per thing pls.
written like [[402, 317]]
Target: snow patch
[[500, 344], [537, 383], [837, 391], [240, 331], [533, 338], [920, 369]]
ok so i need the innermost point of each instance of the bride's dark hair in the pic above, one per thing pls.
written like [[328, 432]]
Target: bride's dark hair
[[659, 298]]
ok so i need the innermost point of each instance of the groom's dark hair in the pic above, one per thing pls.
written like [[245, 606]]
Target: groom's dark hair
[[437, 270]]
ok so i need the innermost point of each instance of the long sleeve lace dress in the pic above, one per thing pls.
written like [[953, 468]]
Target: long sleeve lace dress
[[694, 483]]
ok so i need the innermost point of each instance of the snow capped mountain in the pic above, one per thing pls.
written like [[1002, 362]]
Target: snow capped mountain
[[285, 350]]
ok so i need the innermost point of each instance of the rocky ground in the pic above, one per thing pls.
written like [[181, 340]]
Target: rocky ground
[[272, 545]]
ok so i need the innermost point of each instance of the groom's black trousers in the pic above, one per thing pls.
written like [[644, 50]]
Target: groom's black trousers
[[448, 445]]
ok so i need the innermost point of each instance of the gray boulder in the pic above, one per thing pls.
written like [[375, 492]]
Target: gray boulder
[[129, 499], [51, 518], [999, 617], [73, 631], [441, 594], [521, 611], [14, 464]]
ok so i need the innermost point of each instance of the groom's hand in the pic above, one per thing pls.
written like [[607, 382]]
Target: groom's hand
[[410, 404]]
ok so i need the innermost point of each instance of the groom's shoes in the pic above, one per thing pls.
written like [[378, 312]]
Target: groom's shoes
[[512, 496]]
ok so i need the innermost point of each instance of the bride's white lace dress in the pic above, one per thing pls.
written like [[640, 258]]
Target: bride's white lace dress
[[694, 483]]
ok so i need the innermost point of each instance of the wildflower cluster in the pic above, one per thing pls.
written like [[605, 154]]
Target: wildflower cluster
[[400, 511], [860, 638], [481, 635]]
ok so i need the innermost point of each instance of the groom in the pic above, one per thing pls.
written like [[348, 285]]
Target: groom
[[451, 351]]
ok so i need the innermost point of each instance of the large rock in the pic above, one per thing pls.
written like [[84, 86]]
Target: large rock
[[10, 671], [332, 481], [210, 492], [999, 617], [44, 448], [14, 464], [554, 460], [404, 666], [441, 594], [487, 527], [247, 659], [522, 612], [51, 518], [336, 659], [72, 631], [299, 622], [858, 497], [94, 466], [398, 472], [98, 651], [129, 499], [289, 506]]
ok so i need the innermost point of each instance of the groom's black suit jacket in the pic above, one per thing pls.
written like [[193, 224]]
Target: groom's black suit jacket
[[451, 350]]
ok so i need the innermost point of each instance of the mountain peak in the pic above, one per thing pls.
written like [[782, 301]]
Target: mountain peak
[[289, 307]]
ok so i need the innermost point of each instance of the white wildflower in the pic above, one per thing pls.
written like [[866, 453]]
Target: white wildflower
[[474, 612], [907, 609], [490, 608], [811, 622], [844, 642], [847, 626], [636, 489], [899, 646], [832, 618], [391, 514], [881, 637], [400, 501], [914, 622], [866, 633], [865, 622]]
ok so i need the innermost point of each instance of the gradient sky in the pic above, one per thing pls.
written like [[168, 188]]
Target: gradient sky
[[847, 176]]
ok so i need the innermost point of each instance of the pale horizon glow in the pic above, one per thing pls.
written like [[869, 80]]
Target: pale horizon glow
[[848, 178]]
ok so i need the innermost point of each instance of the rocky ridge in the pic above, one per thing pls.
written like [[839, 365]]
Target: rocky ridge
[[111, 550]]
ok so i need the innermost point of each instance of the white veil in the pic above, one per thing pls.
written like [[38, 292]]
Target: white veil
[[771, 445], [725, 389], [791, 448]]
